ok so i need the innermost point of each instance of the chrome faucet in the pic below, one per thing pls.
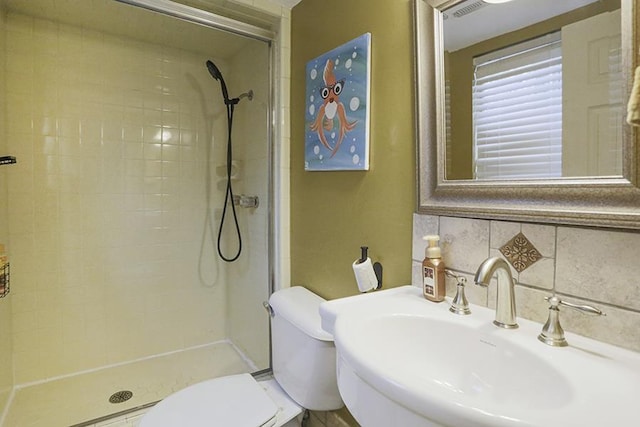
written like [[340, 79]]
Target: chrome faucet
[[506, 300]]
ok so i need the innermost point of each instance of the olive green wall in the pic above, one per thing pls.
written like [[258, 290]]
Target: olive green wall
[[6, 358], [334, 213]]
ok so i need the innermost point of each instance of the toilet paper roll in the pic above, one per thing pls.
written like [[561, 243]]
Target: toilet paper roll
[[365, 276]]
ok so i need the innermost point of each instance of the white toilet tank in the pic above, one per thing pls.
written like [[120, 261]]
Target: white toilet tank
[[303, 354]]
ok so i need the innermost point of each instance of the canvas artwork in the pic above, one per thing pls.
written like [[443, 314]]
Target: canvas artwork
[[337, 108]]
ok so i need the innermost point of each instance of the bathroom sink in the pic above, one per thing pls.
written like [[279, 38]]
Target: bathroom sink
[[455, 359], [405, 361]]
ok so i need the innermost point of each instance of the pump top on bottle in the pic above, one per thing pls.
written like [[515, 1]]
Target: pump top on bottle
[[432, 250]]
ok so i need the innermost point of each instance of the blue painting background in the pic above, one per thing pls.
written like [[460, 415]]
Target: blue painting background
[[351, 65]]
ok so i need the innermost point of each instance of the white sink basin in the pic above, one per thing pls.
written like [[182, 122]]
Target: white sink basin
[[405, 361]]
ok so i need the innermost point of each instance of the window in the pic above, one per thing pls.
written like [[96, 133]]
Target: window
[[523, 142]]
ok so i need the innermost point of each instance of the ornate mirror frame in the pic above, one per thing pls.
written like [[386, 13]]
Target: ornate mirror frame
[[602, 201]]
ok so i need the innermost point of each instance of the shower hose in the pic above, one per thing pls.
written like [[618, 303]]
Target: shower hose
[[228, 198]]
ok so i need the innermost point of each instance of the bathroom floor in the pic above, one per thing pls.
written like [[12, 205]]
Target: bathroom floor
[[85, 397]]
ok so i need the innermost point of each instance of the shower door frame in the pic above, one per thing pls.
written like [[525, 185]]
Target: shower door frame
[[218, 22], [208, 19]]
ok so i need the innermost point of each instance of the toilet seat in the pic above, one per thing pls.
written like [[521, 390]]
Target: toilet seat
[[236, 400]]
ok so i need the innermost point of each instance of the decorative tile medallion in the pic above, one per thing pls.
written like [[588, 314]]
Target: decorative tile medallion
[[520, 252]]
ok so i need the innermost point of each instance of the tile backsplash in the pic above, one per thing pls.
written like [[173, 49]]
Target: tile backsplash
[[597, 267]]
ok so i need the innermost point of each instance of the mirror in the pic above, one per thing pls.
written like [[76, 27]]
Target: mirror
[[536, 89], [585, 170]]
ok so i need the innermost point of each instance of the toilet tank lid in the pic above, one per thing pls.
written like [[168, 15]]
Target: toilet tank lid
[[301, 308]]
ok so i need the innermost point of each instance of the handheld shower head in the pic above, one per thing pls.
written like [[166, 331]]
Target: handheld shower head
[[216, 74], [229, 198], [213, 70]]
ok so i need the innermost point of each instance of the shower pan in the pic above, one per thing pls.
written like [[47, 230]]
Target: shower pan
[[115, 200]]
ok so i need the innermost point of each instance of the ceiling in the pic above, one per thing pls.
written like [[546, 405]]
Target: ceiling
[[119, 19], [480, 21]]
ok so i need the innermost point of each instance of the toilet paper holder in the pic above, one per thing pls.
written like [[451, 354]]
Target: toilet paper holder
[[368, 274]]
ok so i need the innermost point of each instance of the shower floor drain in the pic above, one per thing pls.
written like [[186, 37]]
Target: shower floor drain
[[120, 396]]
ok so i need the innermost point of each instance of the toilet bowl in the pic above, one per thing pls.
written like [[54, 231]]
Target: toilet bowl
[[304, 377]]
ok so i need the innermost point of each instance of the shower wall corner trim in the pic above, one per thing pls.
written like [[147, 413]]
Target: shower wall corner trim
[[202, 17]]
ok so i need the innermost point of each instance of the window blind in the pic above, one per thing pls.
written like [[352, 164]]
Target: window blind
[[517, 111]]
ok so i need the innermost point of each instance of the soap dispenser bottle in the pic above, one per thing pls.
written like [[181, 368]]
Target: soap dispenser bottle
[[433, 281]]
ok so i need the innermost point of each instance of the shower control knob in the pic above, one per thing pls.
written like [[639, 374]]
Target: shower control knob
[[246, 201]]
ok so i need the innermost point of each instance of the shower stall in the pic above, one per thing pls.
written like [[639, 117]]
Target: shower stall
[[111, 214]]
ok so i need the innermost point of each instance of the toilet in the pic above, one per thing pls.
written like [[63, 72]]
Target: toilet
[[304, 377]]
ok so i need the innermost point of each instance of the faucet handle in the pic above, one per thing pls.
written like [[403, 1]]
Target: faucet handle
[[552, 333], [554, 301], [460, 279], [459, 305]]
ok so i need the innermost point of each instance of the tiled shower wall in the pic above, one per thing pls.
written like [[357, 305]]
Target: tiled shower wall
[[6, 373], [107, 201], [597, 267]]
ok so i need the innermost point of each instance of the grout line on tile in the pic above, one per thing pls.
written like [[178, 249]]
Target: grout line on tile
[[598, 303]]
